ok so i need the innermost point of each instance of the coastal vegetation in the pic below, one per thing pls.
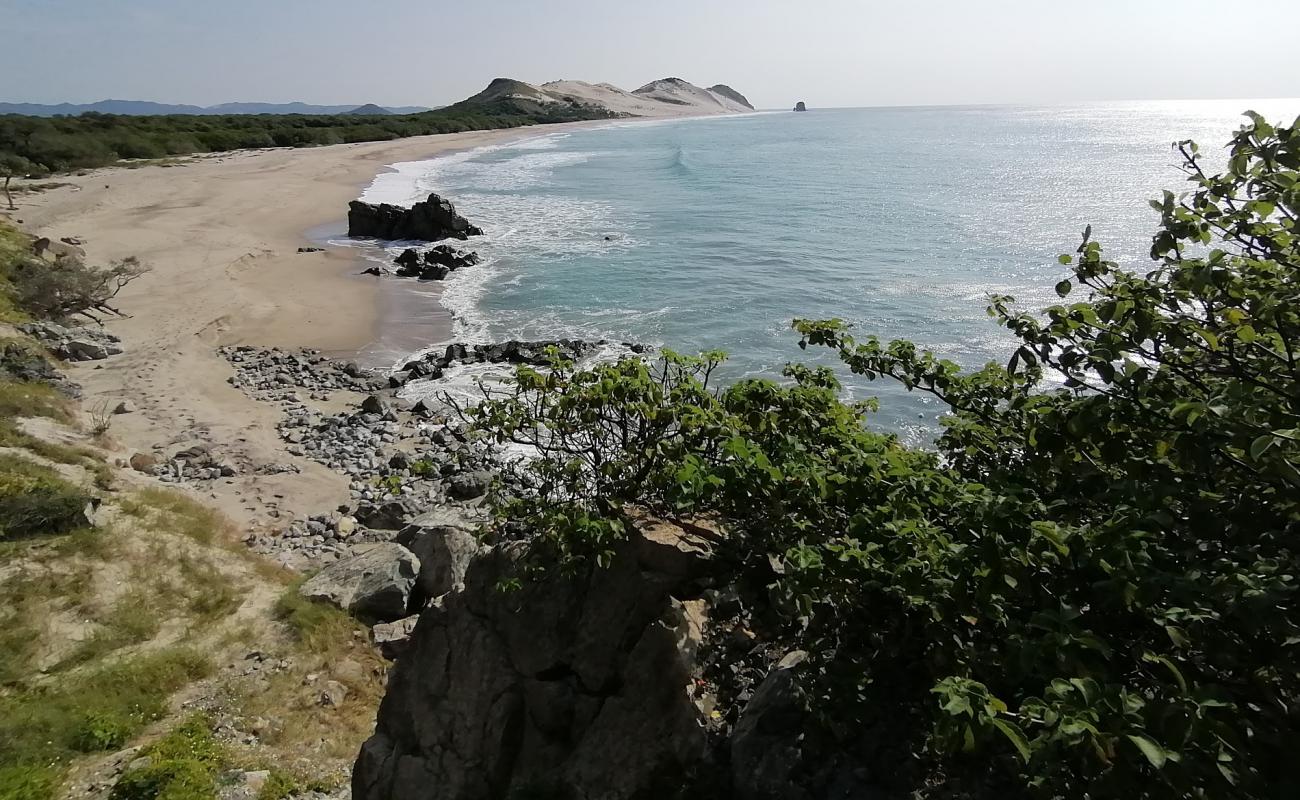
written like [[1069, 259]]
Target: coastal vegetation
[[37, 145], [113, 599], [1086, 587]]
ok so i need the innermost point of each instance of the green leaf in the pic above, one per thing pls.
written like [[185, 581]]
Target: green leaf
[[1154, 752], [1016, 737], [1063, 288], [1065, 258], [1261, 445]]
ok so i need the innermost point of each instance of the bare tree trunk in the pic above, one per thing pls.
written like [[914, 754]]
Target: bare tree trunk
[[8, 196]]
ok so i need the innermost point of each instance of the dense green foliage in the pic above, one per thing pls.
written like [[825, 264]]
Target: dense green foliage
[[1085, 590], [95, 140]]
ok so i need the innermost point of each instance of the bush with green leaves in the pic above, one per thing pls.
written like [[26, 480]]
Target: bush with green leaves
[[183, 765], [1087, 588], [36, 501]]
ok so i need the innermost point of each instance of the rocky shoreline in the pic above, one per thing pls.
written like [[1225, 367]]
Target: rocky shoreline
[[403, 459]]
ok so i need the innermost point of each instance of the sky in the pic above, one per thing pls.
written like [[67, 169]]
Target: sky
[[825, 52]]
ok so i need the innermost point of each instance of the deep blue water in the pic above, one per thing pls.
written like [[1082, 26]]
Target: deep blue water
[[715, 233]]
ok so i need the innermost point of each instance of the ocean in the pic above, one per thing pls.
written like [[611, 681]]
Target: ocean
[[714, 233]]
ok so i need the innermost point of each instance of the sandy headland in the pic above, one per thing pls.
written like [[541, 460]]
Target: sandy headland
[[221, 235]]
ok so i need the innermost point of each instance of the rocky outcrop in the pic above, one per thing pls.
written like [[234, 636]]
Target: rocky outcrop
[[428, 221], [434, 264], [392, 638], [571, 686], [22, 364], [731, 94], [799, 106], [445, 541], [431, 365], [79, 343], [375, 583]]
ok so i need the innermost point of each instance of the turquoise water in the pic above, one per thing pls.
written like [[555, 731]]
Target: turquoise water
[[715, 233]]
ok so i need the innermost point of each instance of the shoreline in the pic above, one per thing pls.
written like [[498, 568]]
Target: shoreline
[[221, 234]]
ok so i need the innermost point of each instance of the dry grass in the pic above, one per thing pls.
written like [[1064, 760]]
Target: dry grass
[[177, 512], [329, 645], [24, 399]]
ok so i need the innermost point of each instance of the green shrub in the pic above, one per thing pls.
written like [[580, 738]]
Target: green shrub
[[1082, 591], [424, 468], [183, 765], [34, 500], [279, 786], [180, 779]]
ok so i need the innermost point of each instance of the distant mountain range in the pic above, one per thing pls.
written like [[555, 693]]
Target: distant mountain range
[[146, 108], [666, 97]]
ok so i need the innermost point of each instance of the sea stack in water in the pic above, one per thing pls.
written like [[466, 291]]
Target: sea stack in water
[[427, 221], [799, 106]]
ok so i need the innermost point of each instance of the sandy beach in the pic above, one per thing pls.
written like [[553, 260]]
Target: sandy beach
[[221, 234]]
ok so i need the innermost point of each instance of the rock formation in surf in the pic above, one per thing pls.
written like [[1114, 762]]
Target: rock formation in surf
[[428, 221], [799, 106], [434, 264]]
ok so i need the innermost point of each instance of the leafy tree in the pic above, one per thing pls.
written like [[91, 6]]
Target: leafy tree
[[1086, 589], [68, 288], [15, 166]]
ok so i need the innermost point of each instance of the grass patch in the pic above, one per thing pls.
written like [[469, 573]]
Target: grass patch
[[27, 399], [316, 627], [176, 512], [35, 500], [14, 247], [133, 619], [210, 593], [183, 765], [333, 646], [42, 729], [83, 457]]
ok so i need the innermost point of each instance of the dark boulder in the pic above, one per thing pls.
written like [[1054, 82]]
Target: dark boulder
[[584, 685], [799, 106], [435, 263], [429, 220]]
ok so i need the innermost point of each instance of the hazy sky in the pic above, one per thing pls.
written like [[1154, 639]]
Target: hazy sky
[[827, 52]]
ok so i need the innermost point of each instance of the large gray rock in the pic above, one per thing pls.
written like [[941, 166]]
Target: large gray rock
[[392, 638], [578, 686], [375, 583], [445, 541], [765, 751], [429, 220], [469, 485], [387, 515]]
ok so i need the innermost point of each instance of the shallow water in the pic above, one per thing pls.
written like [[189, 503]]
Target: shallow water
[[715, 233]]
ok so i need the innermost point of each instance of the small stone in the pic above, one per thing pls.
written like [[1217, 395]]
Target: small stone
[[333, 694], [124, 407], [255, 780], [143, 462]]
